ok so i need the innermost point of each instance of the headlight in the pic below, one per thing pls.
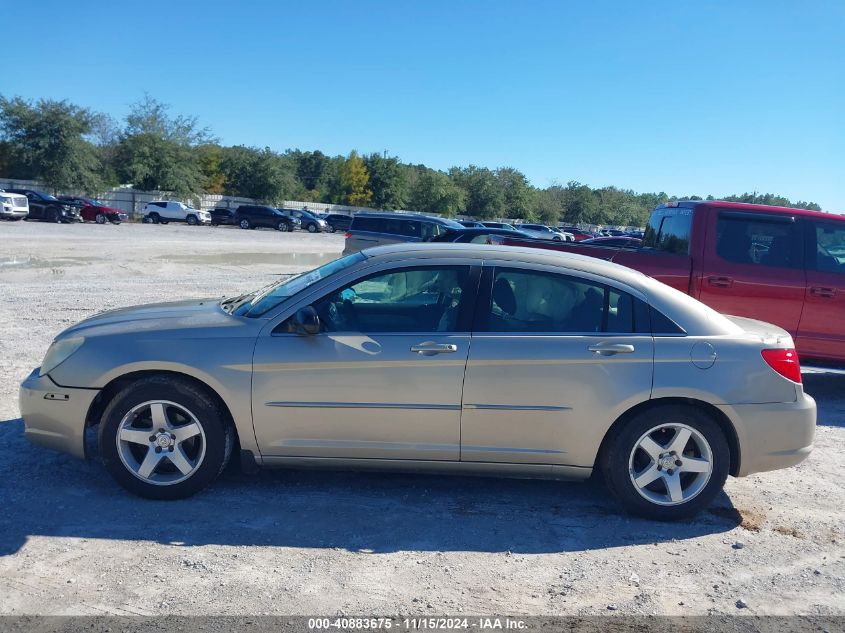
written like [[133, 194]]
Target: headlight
[[59, 352], [5, 200]]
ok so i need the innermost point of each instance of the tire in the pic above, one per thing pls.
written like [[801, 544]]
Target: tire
[[54, 215], [187, 407], [283, 227], [192, 220], [331, 228], [244, 224], [155, 218], [214, 224], [311, 228], [100, 218], [556, 239], [623, 459], [161, 221]]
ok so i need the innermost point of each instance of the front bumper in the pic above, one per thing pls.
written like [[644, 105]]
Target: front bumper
[[13, 212], [55, 416], [773, 436], [118, 217]]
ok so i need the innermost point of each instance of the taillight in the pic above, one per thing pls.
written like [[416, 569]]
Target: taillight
[[348, 235], [783, 361]]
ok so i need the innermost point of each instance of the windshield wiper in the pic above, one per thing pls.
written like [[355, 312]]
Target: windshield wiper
[[233, 303]]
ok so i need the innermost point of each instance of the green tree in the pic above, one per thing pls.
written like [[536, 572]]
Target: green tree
[[388, 181], [210, 161], [434, 192], [484, 195], [258, 174], [579, 205], [354, 182], [156, 150], [517, 193], [47, 140]]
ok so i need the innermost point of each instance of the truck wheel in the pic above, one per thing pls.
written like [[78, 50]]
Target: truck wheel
[[244, 224], [100, 218], [164, 437], [667, 462], [282, 226], [192, 220]]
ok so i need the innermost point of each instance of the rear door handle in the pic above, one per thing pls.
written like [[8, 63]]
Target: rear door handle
[[820, 291], [720, 282], [609, 349], [430, 348]]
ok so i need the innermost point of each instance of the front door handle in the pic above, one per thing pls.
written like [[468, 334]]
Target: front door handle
[[430, 348], [720, 282], [819, 291], [609, 349]]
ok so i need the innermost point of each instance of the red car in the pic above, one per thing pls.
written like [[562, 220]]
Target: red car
[[95, 211], [779, 265]]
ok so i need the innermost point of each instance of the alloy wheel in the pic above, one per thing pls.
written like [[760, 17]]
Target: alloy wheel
[[670, 464], [161, 442]]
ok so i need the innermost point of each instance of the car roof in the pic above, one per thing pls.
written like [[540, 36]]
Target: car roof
[[403, 216], [747, 206]]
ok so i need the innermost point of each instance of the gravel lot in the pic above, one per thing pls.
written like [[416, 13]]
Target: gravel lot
[[296, 542]]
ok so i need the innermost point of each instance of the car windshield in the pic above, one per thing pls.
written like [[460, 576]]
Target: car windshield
[[258, 303]]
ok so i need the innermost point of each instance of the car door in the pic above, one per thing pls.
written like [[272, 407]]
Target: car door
[[36, 206], [821, 333], [555, 359], [383, 377], [753, 267]]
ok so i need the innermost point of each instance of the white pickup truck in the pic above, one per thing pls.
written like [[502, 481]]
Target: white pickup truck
[[164, 211], [13, 206]]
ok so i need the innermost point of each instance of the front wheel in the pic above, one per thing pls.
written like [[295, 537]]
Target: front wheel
[[283, 227], [667, 462], [55, 216], [164, 437], [192, 220], [311, 228], [331, 228], [244, 224], [100, 218]]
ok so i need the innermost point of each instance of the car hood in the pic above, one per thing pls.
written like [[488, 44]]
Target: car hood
[[196, 313]]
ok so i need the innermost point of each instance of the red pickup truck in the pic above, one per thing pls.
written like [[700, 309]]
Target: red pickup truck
[[783, 266]]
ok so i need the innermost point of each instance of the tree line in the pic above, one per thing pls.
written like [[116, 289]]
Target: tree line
[[70, 147]]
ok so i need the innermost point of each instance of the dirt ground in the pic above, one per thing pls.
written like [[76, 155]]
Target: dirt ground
[[297, 542]]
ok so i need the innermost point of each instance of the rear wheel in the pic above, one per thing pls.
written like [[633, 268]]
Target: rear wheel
[[164, 437], [100, 218], [331, 228], [244, 224], [666, 463]]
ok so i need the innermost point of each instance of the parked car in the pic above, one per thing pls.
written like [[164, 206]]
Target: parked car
[[566, 236], [476, 235], [337, 222], [499, 225], [255, 216], [542, 232], [623, 241], [307, 220], [13, 206], [578, 234], [164, 211], [471, 224], [222, 215], [43, 206], [404, 357], [95, 211], [378, 229], [772, 263]]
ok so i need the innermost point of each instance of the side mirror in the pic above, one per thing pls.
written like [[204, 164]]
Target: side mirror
[[306, 321]]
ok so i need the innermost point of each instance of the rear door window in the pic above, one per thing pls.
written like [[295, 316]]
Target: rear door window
[[741, 239], [830, 247], [373, 225]]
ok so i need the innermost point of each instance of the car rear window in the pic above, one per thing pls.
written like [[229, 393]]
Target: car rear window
[[668, 230]]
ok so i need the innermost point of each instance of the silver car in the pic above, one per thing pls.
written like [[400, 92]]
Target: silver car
[[448, 358]]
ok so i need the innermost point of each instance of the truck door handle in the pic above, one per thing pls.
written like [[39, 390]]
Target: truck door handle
[[720, 282], [820, 291], [609, 349], [430, 348]]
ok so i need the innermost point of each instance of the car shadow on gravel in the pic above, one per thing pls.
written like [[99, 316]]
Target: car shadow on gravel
[[50, 494], [829, 391]]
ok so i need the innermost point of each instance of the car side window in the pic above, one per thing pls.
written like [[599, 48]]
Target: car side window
[[748, 241], [420, 299], [668, 230], [539, 301], [830, 247]]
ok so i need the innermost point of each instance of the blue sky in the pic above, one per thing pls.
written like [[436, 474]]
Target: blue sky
[[683, 97]]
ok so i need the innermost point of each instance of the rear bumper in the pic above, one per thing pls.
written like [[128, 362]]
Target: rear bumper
[[773, 436], [55, 416]]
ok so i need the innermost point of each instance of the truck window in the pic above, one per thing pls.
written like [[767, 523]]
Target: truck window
[[749, 241], [668, 230], [830, 247]]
